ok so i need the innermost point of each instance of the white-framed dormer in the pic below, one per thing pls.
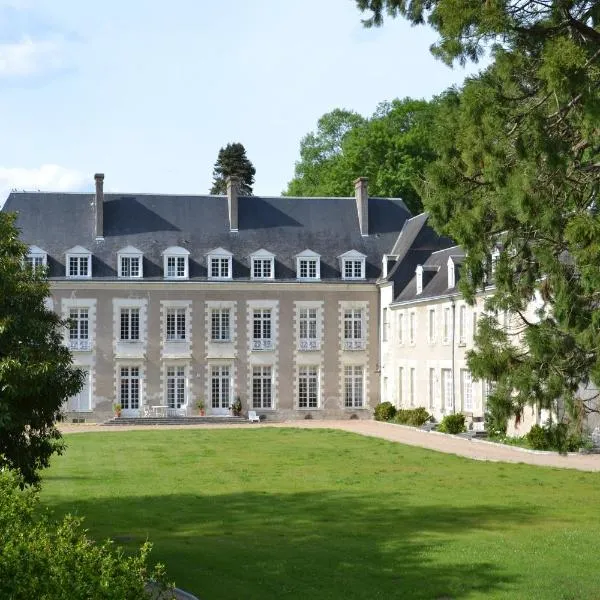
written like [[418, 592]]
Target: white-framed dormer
[[308, 266], [79, 263], [451, 273], [419, 278], [262, 264], [36, 258], [130, 263], [219, 264], [176, 263], [352, 264]]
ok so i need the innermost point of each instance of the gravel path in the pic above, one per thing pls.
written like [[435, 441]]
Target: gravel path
[[476, 449]]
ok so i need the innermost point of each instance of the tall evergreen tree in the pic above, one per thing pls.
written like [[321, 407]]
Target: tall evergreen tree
[[518, 169], [232, 161], [36, 375]]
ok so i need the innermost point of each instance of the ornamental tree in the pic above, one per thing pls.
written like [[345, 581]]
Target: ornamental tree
[[36, 372], [232, 161]]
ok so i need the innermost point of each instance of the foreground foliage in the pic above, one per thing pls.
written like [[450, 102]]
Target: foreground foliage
[[45, 560], [36, 375], [288, 513], [518, 175], [233, 162], [452, 424]]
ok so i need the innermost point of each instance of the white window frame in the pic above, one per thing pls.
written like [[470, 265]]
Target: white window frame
[[173, 322], [447, 389], [401, 319], [431, 325], [412, 384], [466, 387], [262, 394], [179, 256], [308, 328], [130, 253], [130, 311], [223, 261], [419, 277], [400, 386], [176, 387], [130, 377], [81, 256], [432, 390], [262, 338], [451, 273], [309, 387], [304, 261], [385, 325], [352, 265], [354, 386], [354, 328], [218, 326], [446, 325], [462, 325], [36, 258], [221, 386], [262, 258], [81, 340], [86, 397], [412, 327]]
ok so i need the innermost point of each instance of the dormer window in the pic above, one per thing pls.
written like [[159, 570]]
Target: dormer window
[[262, 265], [176, 263], [419, 274], [79, 263], [352, 265], [219, 264], [130, 263], [495, 258], [36, 258], [308, 266], [451, 274]]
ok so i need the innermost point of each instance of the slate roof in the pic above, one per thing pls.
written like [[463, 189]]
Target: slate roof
[[284, 226], [436, 282]]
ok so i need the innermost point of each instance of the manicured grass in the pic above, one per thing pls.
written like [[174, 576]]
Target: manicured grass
[[268, 513]]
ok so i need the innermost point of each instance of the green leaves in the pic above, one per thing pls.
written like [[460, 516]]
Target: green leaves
[[232, 161]]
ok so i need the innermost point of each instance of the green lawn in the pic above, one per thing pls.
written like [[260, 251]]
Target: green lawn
[[286, 513]]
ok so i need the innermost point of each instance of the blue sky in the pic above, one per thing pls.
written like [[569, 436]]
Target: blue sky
[[147, 91]]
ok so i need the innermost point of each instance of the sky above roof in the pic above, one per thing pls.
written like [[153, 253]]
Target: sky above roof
[[147, 91]]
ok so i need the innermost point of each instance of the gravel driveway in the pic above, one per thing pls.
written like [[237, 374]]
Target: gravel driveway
[[476, 449]]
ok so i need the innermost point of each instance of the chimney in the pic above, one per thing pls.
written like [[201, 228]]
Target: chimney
[[99, 206], [361, 192], [233, 188]]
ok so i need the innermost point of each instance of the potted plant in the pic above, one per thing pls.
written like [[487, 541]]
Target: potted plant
[[117, 408], [201, 407], [236, 407]]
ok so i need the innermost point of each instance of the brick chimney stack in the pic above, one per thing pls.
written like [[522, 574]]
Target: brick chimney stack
[[99, 206], [361, 192], [233, 190]]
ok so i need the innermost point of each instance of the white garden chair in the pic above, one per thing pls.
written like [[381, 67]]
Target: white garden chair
[[253, 417]]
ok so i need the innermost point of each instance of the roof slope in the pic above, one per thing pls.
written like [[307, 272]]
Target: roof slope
[[284, 226]]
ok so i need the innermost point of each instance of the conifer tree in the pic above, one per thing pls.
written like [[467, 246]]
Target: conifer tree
[[232, 161]]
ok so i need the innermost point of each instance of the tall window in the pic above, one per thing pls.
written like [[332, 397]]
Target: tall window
[[176, 267], [431, 326], [219, 267], [467, 390], [79, 329], [353, 269], [308, 329], [413, 384], [262, 390], [79, 266], [308, 387], [130, 324], [176, 325], [220, 382], [175, 387], [353, 386], [220, 325], [384, 333], [262, 268], [129, 388], [401, 328], [308, 268], [448, 400], [411, 327], [353, 329], [462, 324], [446, 330], [431, 388], [130, 266], [400, 385], [261, 329]]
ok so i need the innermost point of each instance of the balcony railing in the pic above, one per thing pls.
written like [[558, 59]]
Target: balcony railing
[[79, 345], [353, 344], [262, 344], [309, 344]]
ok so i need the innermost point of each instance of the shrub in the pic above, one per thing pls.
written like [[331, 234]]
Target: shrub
[[43, 559], [412, 416], [452, 424], [554, 437], [385, 411]]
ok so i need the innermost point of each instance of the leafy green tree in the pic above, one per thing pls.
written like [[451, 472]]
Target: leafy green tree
[[518, 170], [36, 374], [232, 161], [391, 148], [48, 560]]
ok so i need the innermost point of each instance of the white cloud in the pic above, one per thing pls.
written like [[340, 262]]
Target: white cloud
[[29, 56], [52, 178]]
